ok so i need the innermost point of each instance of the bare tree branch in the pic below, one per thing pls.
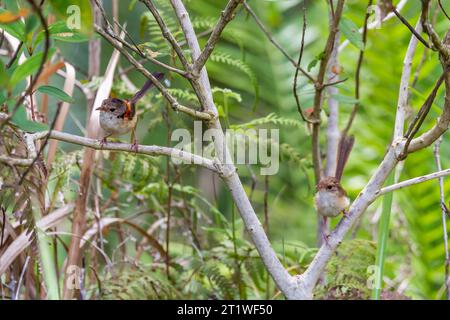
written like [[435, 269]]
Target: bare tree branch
[[403, 184], [404, 85], [300, 57], [252, 224], [173, 102], [437, 158], [95, 144], [358, 73], [319, 88], [434, 37], [225, 17], [167, 34]]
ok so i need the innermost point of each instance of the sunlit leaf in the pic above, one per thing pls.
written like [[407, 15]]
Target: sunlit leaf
[[350, 31], [78, 17], [9, 17], [57, 93], [16, 28], [27, 68], [20, 119], [60, 31]]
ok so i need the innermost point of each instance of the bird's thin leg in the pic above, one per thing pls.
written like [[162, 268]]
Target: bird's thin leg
[[324, 233], [103, 141], [134, 145]]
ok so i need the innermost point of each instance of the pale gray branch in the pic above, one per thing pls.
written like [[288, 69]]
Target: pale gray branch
[[413, 181], [284, 281], [437, 157], [404, 84], [187, 157]]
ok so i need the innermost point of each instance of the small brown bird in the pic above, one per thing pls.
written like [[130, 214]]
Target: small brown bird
[[331, 198], [118, 116]]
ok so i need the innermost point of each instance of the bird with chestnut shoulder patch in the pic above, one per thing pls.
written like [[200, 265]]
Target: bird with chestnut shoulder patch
[[118, 116]]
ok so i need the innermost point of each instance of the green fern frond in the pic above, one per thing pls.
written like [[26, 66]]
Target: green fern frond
[[184, 95], [226, 59], [271, 118]]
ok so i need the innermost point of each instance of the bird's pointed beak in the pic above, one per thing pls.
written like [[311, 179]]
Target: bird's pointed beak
[[101, 108]]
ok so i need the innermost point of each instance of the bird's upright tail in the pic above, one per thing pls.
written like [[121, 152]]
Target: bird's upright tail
[[345, 147], [147, 86]]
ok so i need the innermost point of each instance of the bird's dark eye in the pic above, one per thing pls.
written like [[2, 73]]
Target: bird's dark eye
[[112, 109], [329, 187]]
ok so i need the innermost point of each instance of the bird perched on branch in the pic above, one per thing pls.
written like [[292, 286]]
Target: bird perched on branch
[[118, 116], [331, 198]]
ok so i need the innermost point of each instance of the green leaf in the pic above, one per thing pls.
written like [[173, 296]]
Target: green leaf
[[16, 29], [2, 97], [312, 64], [383, 235], [31, 23], [59, 31], [3, 75], [317, 58], [350, 31], [57, 93], [27, 68], [20, 119], [132, 5], [30, 66], [11, 5], [78, 17]]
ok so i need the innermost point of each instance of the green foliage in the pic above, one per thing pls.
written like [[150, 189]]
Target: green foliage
[[271, 118], [347, 273], [136, 284], [211, 256], [350, 30], [228, 60], [80, 12], [56, 92]]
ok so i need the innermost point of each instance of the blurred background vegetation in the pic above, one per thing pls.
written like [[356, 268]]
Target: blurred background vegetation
[[210, 255]]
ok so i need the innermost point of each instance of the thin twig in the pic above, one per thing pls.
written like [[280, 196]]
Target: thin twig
[[135, 48], [41, 149], [45, 52], [22, 273], [173, 102], [376, 24], [443, 11], [266, 204], [413, 181], [403, 95], [411, 28], [15, 55], [421, 115], [319, 88], [225, 17], [358, 73], [434, 37], [275, 43], [437, 157], [300, 56], [333, 83], [167, 34]]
